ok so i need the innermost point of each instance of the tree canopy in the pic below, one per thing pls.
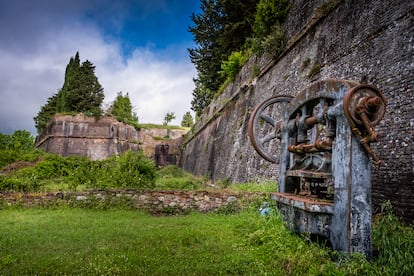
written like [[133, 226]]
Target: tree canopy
[[224, 27], [20, 140], [81, 93], [168, 118], [121, 108], [221, 28], [187, 120]]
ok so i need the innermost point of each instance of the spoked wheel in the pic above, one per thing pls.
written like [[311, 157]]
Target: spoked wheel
[[264, 126]]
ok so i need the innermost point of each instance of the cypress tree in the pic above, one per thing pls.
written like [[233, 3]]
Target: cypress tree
[[70, 85], [81, 93]]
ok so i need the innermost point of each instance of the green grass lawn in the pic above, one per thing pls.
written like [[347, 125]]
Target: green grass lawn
[[79, 241], [75, 241]]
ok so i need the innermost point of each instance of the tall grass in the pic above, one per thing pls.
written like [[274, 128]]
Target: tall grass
[[174, 178], [123, 242]]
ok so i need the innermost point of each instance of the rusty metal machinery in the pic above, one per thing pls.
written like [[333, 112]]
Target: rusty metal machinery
[[321, 139], [264, 126], [364, 107]]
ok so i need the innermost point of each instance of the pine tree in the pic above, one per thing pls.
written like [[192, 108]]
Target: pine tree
[[89, 96], [81, 91]]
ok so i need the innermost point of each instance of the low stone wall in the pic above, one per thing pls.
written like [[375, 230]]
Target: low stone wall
[[158, 202]]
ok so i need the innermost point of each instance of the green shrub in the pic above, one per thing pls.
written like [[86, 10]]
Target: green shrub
[[46, 169], [135, 171], [19, 184], [233, 64], [7, 157], [268, 14], [171, 171]]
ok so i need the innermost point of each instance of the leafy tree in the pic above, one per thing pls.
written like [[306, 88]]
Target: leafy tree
[[187, 120], [202, 97], [168, 118], [5, 141], [224, 27], [81, 93], [20, 140], [122, 110]]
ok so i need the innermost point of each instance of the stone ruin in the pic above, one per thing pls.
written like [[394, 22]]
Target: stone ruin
[[99, 139]]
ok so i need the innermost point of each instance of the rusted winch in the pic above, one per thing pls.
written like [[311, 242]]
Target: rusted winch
[[321, 139]]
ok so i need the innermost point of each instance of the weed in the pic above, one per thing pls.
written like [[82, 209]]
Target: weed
[[326, 8], [265, 187], [305, 63], [315, 70], [394, 242], [232, 207], [256, 70]]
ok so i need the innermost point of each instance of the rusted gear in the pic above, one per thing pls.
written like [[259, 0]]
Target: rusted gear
[[364, 107], [366, 97], [264, 126]]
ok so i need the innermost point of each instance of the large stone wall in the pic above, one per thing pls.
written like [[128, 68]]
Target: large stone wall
[[68, 135], [98, 139], [365, 41]]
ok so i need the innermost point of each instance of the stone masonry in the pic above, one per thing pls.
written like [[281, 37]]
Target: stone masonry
[[365, 41], [157, 202], [98, 139]]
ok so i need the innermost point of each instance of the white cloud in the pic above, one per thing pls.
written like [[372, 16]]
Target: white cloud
[[156, 86]]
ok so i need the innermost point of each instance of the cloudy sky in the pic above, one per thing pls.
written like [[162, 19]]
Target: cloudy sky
[[137, 46]]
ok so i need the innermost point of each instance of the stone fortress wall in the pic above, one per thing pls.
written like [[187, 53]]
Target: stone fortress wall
[[68, 135], [365, 41]]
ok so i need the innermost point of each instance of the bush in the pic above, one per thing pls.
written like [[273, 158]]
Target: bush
[[135, 171], [171, 171], [233, 64], [19, 183], [7, 157], [130, 170], [269, 13]]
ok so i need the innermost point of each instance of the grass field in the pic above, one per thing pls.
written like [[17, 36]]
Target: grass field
[[75, 241], [116, 242]]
